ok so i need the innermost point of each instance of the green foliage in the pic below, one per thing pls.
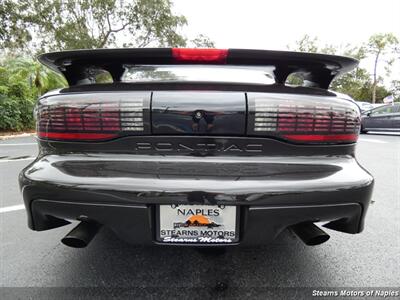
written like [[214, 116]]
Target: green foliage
[[395, 89], [44, 25], [380, 45], [295, 79], [34, 26], [202, 41], [21, 82], [357, 83], [15, 114], [306, 44]]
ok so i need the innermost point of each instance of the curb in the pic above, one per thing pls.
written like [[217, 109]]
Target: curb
[[7, 137]]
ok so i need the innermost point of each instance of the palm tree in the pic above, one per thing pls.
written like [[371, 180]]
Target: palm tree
[[37, 75]]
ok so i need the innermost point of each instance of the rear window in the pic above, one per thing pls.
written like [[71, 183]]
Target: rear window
[[234, 74]]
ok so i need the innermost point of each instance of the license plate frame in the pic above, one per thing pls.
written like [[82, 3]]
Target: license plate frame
[[215, 238]]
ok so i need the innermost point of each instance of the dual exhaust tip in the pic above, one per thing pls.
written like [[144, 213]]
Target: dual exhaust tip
[[310, 234], [84, 232], [81, 235]]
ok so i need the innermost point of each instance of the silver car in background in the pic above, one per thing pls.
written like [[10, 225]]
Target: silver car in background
[[382, 118]]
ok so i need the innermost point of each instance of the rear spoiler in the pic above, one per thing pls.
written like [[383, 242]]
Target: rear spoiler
[[79, 66]]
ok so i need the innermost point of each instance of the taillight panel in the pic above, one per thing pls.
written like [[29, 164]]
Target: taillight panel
[[303, 118], [96, 116]]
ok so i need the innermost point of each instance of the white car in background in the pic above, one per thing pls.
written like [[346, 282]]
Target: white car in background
[[375, 105], [364, 106]]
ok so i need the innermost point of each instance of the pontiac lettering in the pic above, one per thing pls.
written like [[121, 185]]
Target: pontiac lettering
[[198, 147]]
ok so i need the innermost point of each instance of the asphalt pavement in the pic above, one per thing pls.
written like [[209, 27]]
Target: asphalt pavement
[[37, 265]]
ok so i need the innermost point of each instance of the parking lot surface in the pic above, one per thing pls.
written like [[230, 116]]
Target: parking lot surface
[[110, 267]]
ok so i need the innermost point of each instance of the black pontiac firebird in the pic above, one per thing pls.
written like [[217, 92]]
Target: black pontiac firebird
[[145, 138]]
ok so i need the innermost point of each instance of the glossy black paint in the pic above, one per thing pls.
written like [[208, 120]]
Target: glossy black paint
[[199, 113], [120, 190], [319, 69], [195, 86], [196, 146], [259, 224], [119, 183]]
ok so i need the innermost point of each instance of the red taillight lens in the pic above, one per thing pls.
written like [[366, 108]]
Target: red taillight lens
[[305, 119], [76, 136], [198, 55], [322, 137], [78, 117]]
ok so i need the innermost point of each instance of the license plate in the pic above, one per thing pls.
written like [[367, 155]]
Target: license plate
[[201, 224]]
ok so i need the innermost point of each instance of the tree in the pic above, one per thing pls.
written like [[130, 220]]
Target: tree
[[22, 80], [39, 78], [306, 44], [395, 89], [380, 45], [356, 83], [352, 83], [11, 31], [202, 41], [44, 25]]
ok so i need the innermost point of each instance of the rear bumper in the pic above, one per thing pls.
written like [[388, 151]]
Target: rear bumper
[[122, 193]]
